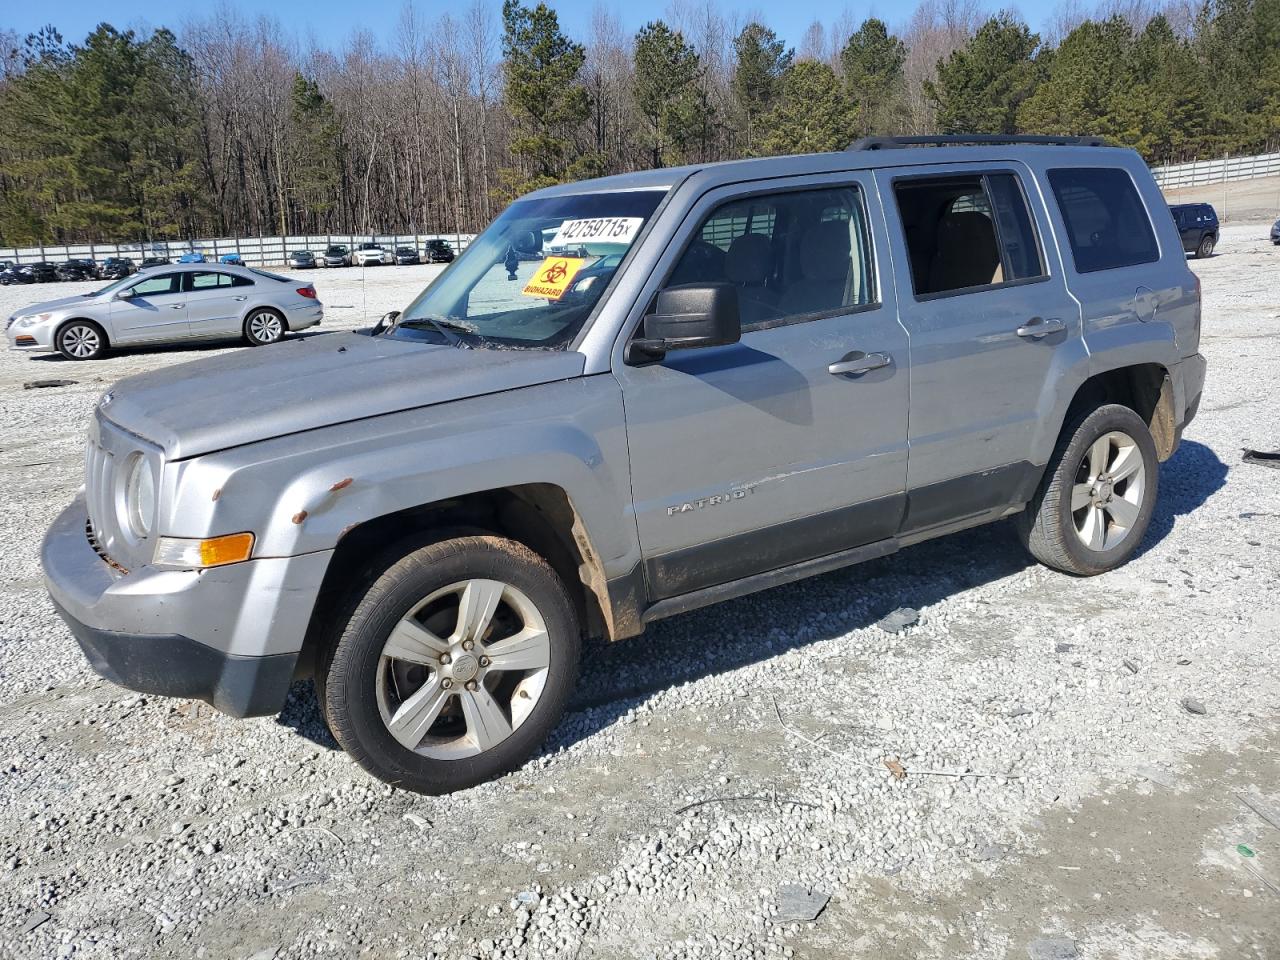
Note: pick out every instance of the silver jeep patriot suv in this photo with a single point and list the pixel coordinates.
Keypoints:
(690, 384)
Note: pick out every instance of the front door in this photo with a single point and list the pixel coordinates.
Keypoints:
(989, 322)
(791, 444)
(156, 311)
(215, 301)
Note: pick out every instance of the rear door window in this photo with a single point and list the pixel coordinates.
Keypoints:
(1107, 225)
(967, 232)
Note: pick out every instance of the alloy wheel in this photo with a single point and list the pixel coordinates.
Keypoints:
(81, 341)
(1107, 497)
(463, 669)
(265, 327)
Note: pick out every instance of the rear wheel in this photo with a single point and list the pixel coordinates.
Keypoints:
(1205, 249)
(81, 340)
(1097, 496)
(453, 666)
(263, 326)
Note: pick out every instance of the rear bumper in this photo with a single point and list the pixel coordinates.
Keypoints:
(1191, 370)
(229, 636)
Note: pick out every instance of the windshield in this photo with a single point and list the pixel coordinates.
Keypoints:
(119, 284)
(534, 276)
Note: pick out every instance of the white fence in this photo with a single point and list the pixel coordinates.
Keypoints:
(254, 251)
(1221, 170)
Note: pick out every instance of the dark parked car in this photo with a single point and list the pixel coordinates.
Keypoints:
(155, 262)
(42, 272)
(1198, 225)
(1275, 233)
(116, 268)
(337, 256)
(12, 273)
(439, 251)
(302, 260)
(77, 270)
(406, 256)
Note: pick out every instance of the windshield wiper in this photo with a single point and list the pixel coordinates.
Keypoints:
(447, 328)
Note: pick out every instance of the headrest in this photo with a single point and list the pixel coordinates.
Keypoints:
(747, 261)
(824, 251)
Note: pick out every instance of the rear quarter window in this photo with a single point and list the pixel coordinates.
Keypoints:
(1107, 225)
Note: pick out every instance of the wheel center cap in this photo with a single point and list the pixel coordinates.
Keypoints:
(465, 667)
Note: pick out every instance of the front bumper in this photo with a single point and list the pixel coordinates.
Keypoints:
(229, 636)
(31, 339)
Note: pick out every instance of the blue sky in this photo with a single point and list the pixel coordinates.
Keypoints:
(331, 21)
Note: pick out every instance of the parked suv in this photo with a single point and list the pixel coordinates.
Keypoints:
(781, 367)
(370, 254)
(1198, 227)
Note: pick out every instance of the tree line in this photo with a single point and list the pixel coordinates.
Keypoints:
(232, 127)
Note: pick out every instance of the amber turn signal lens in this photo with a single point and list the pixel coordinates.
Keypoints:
(229, 549)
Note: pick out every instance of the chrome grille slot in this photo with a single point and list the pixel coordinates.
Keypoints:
(110, 450)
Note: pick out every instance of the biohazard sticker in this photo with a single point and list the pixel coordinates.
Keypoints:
(553, 277)
(597, 230)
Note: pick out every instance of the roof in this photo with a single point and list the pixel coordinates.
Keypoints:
(759, 168)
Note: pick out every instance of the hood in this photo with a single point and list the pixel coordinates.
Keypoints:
(49, 306)
(317, 381)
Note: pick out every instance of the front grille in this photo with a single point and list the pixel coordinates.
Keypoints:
(99, 481)
(97, 548)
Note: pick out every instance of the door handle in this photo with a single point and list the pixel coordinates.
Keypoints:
(853, 364)
(176, 306)
(1035, 328)
(239, 298)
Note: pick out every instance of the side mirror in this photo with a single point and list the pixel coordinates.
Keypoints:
(687, 317)
(384, 322)
(125, 294)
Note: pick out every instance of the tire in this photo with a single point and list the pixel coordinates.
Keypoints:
(263, 326)
(1098, 535)
(81, 340)
(1205, 249)
(472, 720)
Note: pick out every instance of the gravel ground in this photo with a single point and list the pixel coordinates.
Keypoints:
(1101, 816)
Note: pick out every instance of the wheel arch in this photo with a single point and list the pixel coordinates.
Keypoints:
(1145, 388)
(63, 324)
(541, 516)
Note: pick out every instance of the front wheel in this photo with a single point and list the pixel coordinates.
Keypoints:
(1096, 499)
(81, 340)
(262, 327)
(453, 666)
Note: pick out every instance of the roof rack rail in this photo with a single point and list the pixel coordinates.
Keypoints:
(968, 139)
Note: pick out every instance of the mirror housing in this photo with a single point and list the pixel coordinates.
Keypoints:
(687, 317)
(125, 294)
(384, 322)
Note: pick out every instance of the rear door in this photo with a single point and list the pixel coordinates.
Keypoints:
(762, 454)
(991, 322)
(156, 311)
(215, 302)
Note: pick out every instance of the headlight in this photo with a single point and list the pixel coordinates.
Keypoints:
(31, 319)
(140, 496)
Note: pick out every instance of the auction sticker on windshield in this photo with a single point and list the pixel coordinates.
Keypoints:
(553, 277)
(597, 230)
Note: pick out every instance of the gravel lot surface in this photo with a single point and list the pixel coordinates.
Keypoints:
(726, 771)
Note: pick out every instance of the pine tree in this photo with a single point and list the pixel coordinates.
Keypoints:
(761, 62)
(872, 62)
(813, 114)
(546, 99)
(667, 92)
(980, 87)
(1083, 79)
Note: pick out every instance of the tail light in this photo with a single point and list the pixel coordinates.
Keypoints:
(308, 292)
